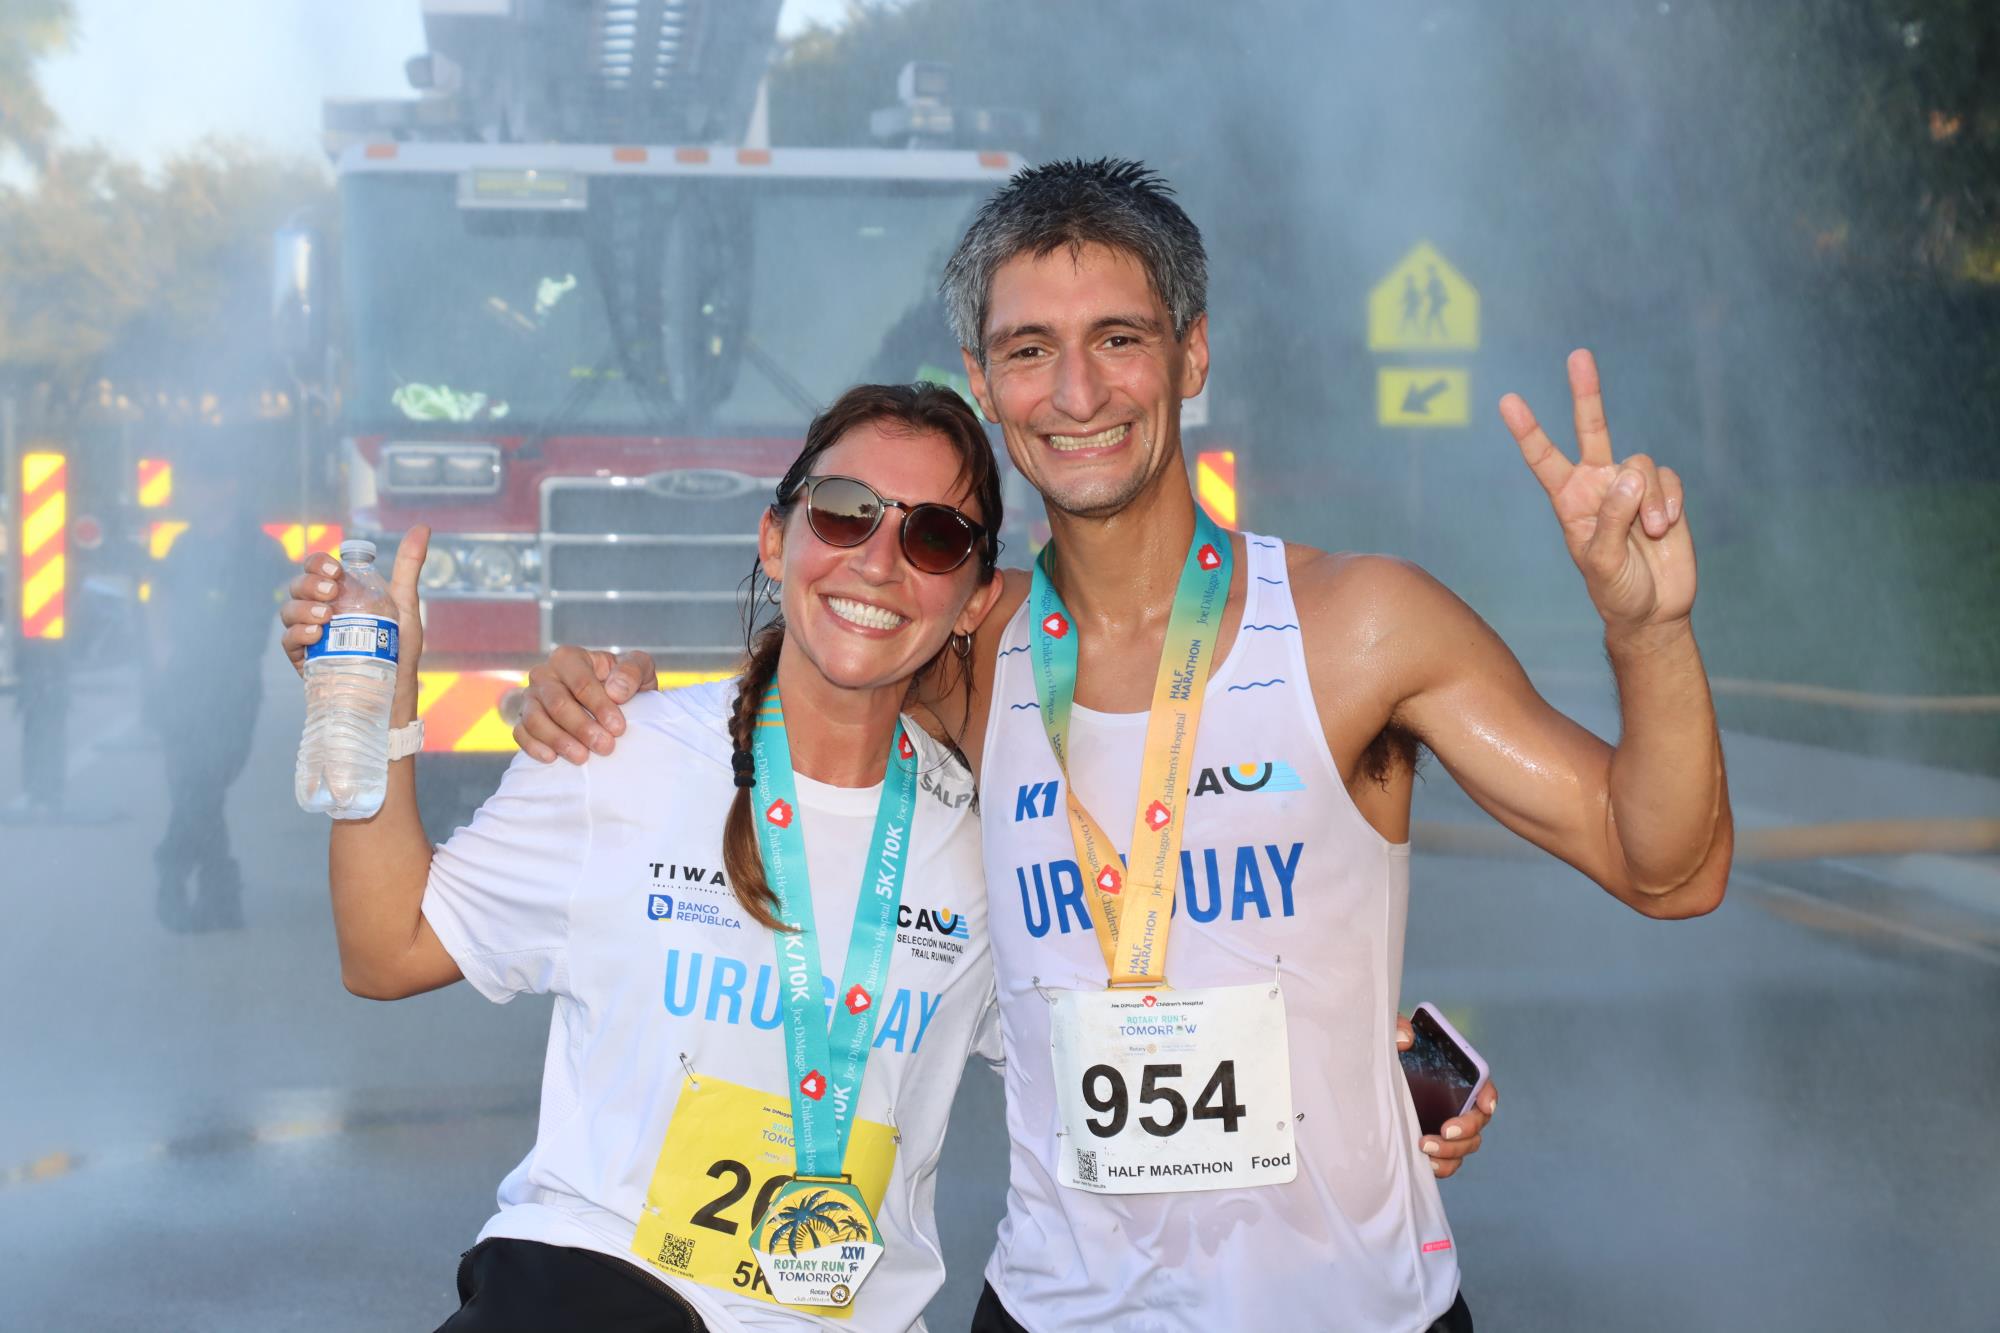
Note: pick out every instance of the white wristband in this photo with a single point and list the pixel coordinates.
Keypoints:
(406, 741)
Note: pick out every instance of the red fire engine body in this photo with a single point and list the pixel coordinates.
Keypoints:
(584, 355)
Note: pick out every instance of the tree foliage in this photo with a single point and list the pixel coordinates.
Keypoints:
(1787, 212)
(30, 30)
(1869, 128)
(153, 281)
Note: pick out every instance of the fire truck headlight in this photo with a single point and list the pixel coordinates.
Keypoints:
(406, 470)
(492, 567)
(440, 568)
(474, 470)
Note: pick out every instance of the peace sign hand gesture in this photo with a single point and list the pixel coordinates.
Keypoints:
(1623, 523)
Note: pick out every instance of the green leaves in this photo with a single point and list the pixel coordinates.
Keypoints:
(156, 282)
(29, 31)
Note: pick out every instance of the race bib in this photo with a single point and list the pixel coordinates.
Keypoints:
(727, 1153)
(1168, 1090)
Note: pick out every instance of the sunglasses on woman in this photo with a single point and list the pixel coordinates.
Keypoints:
(844, 512)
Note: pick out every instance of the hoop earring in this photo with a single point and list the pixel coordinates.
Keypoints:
(961, 647)
(773, 591)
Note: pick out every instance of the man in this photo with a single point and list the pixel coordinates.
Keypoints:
(1078, 295)
(210, 615)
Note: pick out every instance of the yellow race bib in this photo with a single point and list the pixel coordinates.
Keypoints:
(728, 1151)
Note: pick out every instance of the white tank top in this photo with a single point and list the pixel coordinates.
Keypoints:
(1276, 861)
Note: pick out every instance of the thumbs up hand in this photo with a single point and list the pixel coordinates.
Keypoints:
(416, 544)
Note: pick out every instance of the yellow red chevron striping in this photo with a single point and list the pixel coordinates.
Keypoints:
(156, 482)
(1215, 484)
(461, 710)
(44, 528)
(160, 537)
(463, 713)
(297, 538)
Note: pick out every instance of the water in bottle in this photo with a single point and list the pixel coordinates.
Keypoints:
(350, 684)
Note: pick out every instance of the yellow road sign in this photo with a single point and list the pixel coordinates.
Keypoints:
(1411, 396)
(1423, 305)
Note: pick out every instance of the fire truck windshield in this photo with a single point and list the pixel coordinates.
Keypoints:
(668, 305)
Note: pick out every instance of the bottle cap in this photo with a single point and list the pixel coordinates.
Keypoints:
(354, 550)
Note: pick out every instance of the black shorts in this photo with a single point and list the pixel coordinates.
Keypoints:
(992, 1317)
(524, 1286)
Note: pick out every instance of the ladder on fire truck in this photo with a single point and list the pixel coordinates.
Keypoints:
(578, 71)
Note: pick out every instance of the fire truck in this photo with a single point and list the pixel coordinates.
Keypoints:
(583, 314)
(585, 310)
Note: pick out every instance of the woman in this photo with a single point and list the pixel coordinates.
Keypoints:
(690, 1043)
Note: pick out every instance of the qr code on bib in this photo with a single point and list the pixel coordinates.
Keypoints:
(1086, 1166)
(676, 1252)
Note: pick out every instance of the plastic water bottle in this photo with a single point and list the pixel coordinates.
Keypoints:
(350, 684)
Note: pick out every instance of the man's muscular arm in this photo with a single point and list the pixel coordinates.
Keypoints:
(1648, 819)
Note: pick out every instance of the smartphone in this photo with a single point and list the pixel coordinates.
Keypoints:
(1444, 1072)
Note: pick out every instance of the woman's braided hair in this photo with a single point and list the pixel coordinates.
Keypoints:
(921, 409)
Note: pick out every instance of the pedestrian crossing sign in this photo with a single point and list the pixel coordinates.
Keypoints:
(1423, 305)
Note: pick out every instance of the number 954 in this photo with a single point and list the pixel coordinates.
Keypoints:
(1104, 1091)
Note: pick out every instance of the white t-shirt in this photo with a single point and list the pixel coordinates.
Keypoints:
(557, 886)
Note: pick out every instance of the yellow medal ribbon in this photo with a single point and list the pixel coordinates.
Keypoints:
(1134, 899)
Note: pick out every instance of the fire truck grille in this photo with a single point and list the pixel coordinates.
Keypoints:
(582, 509)
(682, 635)
(655, 568)
(629, 566)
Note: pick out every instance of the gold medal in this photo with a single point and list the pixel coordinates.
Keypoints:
(727, 1153)
(816, 1242)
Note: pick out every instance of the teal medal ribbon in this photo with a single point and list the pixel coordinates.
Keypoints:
(826, 1062)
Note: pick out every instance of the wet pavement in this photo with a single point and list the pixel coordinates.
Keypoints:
(1780, 1116)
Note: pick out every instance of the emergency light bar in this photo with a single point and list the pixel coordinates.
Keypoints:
(523, 187)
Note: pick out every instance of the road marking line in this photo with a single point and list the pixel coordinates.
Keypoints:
(1870, 921)
(50, 1166)
(1785, 842)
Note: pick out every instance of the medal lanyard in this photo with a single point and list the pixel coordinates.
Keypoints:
(1135, 900)
(825, 1063)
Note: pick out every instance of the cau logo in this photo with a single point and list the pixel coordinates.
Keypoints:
(938, 920)
(1273, 776)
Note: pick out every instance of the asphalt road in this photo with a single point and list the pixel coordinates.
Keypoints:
(1780, 1116)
